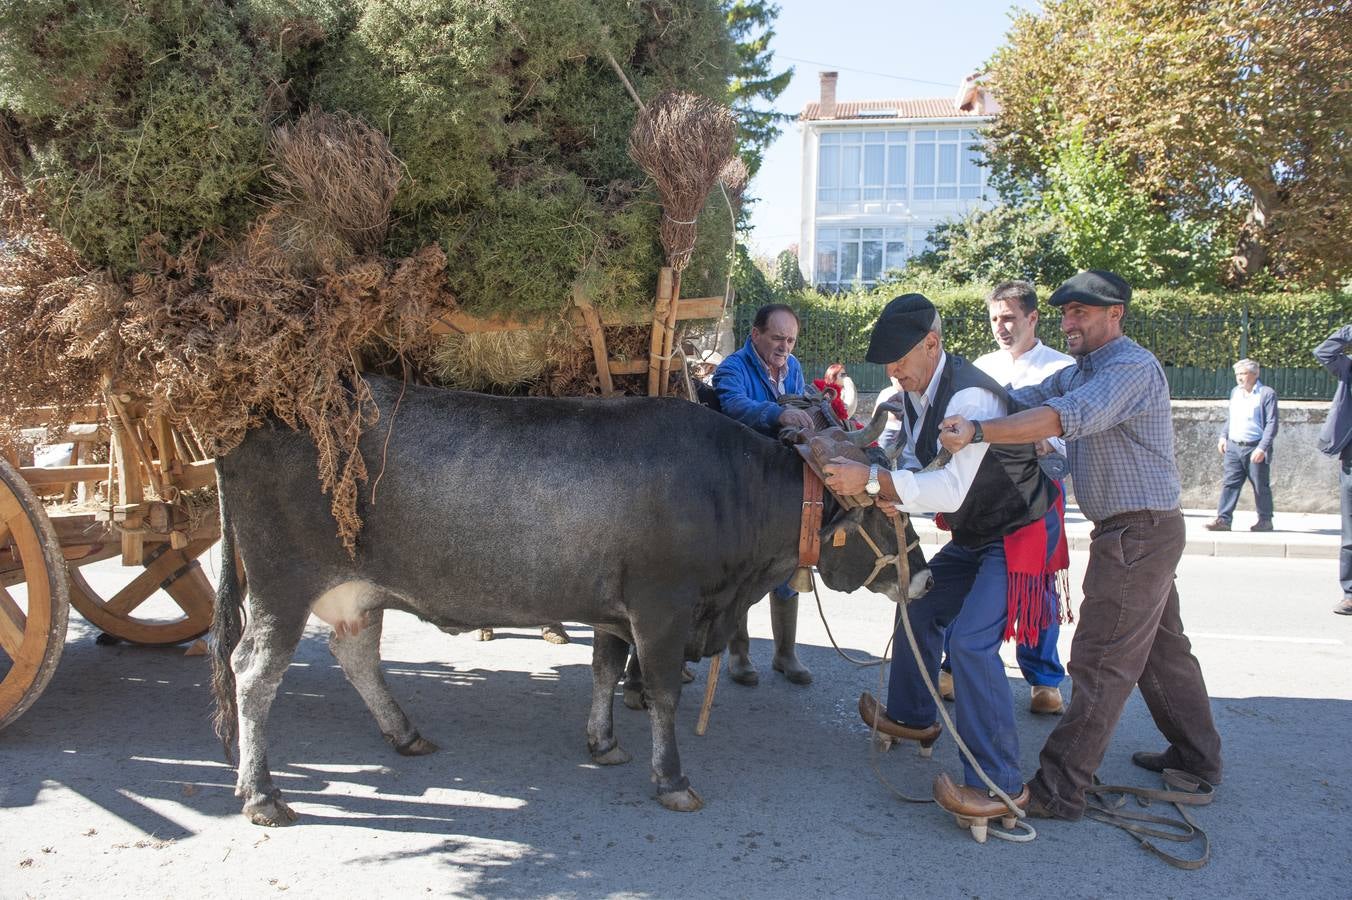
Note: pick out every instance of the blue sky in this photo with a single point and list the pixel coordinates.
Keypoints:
(882, 50)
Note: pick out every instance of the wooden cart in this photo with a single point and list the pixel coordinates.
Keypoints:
(124, 490)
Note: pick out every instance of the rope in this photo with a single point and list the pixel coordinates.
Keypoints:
(1025, 831)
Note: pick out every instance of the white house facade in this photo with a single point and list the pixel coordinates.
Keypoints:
(878, 175)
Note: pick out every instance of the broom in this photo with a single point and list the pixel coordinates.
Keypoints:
(682, 141)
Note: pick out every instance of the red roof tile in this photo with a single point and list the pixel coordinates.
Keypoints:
(925, 108)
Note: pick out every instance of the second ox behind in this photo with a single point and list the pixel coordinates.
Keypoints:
(658, 522)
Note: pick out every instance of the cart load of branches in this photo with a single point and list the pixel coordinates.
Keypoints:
(234, 209)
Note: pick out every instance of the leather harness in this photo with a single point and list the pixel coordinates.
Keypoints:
(810, 526)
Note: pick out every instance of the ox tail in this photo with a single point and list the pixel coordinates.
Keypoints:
(227, 625)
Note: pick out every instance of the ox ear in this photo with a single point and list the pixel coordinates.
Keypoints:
(847, 521)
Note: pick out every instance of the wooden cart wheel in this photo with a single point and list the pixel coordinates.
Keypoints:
(127, 615)
(34, 603)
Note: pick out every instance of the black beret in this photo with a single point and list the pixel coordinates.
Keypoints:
(1093, 287)
(904, 322)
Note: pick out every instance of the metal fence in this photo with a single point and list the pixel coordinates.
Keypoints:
(1197, 351)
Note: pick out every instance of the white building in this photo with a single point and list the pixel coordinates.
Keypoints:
(879, 174)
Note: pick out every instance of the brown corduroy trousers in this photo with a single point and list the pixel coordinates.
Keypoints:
(1129, 633)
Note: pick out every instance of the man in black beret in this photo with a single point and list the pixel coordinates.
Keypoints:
(1112, 408)
(1001, 509)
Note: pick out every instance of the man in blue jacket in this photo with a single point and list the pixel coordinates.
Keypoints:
(749, 384)
(1336, 440)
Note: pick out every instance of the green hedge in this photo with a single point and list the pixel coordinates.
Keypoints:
(1181, 328)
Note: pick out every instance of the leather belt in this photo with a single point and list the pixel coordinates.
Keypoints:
(1138, 515)
(810, 526)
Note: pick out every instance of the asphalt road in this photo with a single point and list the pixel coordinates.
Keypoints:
(113, 785)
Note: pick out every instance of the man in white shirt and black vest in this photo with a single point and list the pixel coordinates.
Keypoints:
(989, 580)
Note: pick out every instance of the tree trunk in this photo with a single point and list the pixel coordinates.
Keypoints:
(1251, 249)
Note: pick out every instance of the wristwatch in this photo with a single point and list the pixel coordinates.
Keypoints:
(977, 435)
(873, 486)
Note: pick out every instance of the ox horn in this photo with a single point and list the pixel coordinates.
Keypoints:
(874, 429)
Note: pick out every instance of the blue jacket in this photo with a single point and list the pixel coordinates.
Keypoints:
(1335, 438)
(744, 389)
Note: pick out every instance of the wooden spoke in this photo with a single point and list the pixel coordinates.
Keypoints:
(33, 640)
(124, 616)
(13, 622)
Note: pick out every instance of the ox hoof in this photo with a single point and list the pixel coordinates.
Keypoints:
(554, 634)
(615, 756)
(485, 634)
(681, 801)
(419, 746)
(634, 699)
(270, 812)
(687, 675)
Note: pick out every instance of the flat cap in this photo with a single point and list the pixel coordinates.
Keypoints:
(1093, 287)
(904, 322)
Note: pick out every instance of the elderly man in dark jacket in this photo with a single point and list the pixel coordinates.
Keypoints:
(1246, 445)
(1336, 440)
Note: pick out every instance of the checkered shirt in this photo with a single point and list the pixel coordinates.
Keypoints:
(1118, 427)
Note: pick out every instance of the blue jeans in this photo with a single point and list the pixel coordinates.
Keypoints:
(1240, 467)
(969, 594)
(1345, 554)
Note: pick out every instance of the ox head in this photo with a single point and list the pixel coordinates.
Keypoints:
(858, 543)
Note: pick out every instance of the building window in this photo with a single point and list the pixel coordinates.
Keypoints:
(946, 164)
(861, 171)
(860, 257)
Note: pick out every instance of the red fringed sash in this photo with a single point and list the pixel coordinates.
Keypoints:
(1035, 556)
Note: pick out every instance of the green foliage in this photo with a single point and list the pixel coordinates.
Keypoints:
(753, 289)
(788, 277)
(994, 245)
(155, 115)
(137, 125)
(1228, 112)
(1101, 221)
(1181, 327)
(754, 82)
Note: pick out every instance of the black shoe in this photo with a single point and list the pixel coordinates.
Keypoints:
(1261, 525)
(1156, 762)
(1217, 525)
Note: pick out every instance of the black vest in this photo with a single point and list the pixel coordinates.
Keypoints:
(1010, 489)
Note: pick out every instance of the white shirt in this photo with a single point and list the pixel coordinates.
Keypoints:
(1031, 368)
(1246, 413)
(941, 490)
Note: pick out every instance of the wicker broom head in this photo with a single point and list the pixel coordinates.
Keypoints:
(682, 141)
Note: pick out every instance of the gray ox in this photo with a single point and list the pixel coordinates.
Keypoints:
(658, 522)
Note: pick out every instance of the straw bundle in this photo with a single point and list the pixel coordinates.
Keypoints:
(682, 141)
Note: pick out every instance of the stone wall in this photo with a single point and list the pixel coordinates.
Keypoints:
(1303, 479)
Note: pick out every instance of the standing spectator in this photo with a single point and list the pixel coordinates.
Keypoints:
(1246, 446)
(836, 379)
(1024, 360)
(1112, 408)
(749, 384)
(1336, 440)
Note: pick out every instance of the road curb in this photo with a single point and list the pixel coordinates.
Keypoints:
(1196, 545)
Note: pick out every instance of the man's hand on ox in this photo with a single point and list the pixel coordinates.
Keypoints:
(955, 432)
(796, 418)
(845, 476)
(888, 508)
